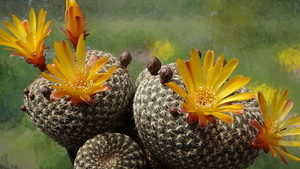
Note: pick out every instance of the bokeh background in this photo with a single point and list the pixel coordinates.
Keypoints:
(263, 34)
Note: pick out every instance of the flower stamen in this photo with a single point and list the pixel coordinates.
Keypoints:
(205, 98)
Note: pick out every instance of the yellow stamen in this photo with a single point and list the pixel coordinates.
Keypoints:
(205, 98)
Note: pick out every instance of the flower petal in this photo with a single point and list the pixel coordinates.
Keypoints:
(195, 68)
(80, 52)
(58, 94)
(256, 124)
(223, 117)
(290, 143)
(215, 72)
(290, 122)
(290, 131)
(226, 72)
(207, 66)
(237, 97)
(186, 76)
(173, 86)
(232, 85)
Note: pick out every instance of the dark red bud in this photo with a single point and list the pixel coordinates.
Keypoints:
(165, 75)
(31, 96)
(26, 91)
(174, 112)
(125, 59)
(46, 92)
(23, 108)
(154, 65)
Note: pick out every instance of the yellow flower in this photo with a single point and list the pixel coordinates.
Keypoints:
(28, 39)
(289, 58)
(75, 22)
(207, 96)
(77, 79)
(162, 49)
(276, 126)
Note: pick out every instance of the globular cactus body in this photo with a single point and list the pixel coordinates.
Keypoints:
(71, 126)
(173, 143)
(110, 150)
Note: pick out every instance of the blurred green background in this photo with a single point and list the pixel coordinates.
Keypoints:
(262, 34)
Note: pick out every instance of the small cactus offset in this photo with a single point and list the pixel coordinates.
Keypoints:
(70, 125)
(110, 150)
(175, 141)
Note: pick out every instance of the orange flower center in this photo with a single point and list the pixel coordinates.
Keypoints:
(78, 80)
(205, 98)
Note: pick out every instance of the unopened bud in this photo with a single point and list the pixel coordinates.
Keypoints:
(46, 92)
(174, 112)
(125, 59)
(165, 75)
(154, 65)
(31, 96)
(23, 108)
(26, 91)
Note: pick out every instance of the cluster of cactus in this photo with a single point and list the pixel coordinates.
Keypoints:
(164, 136)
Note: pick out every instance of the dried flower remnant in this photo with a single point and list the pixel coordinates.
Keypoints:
(75, 22)
(76, 79)
(207, 96)
(275, 127)
(28, 38)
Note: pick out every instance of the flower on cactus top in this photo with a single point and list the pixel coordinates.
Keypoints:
(28, 39)
(208, 96)
(276, 126)
(75, 78)
(75, 22)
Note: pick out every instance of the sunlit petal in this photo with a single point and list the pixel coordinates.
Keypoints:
(290, 122)
(195, 70)
(237, 97)
(80, 52)
(173, 86)
(226, 71)
(290, 131)
(207, 66)
(216, 71)
(290, 143)
(232, 85)
(186, 76)
(224, 117)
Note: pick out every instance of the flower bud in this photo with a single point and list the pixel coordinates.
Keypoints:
(154, 65)
(125, 59)
(165, 75)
